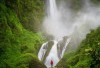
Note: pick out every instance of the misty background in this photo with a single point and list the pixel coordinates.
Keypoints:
(72, 19)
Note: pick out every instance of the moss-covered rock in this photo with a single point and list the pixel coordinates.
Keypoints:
(37, 64)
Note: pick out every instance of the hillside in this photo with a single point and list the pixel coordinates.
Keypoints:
(19, 41)
(87, 55)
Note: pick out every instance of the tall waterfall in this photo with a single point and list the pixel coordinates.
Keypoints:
(54, 51)
(53, 12)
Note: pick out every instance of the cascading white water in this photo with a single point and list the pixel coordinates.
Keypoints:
(42, 51)
(52, 56)
(64, 48)
(53, 12)
(53, 53)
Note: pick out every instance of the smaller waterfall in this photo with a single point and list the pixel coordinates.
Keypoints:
(42, 51)
(53, 53)
(64, 48)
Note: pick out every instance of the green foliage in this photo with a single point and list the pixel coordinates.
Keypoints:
(18, 46)
(29, 12)
(86, 56)
(96, 1)
(76, 4)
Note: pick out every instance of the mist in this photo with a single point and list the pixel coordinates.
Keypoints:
(67, 22)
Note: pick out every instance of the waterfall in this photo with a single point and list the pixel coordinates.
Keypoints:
(64, 48)
(55, 51)
(52, 55)
(42, 51)
(52, 9)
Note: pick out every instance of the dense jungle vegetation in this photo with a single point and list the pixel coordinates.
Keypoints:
(21, 38)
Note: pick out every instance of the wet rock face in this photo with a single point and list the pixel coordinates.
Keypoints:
(60, 46)
(48, 47)
(50, 43)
